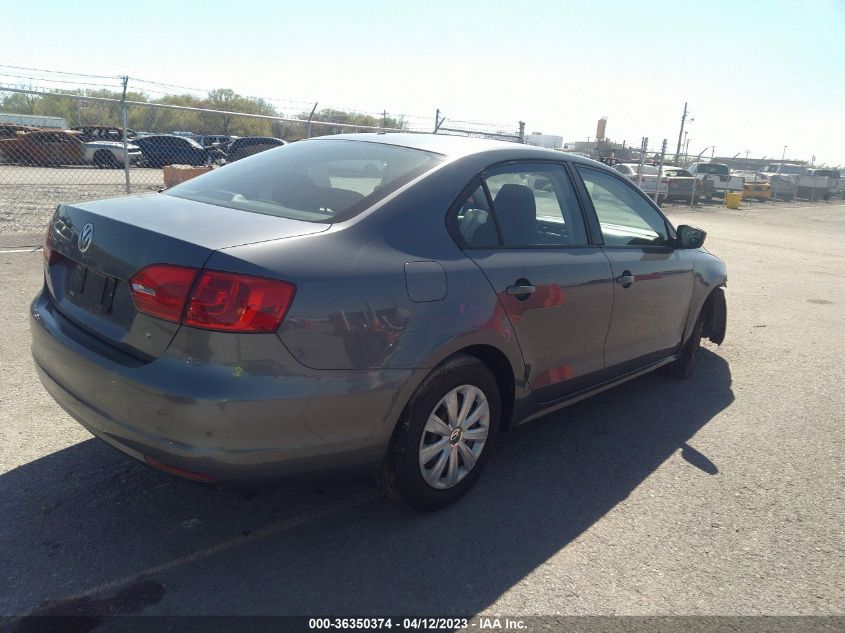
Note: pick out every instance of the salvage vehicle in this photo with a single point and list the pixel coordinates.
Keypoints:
(646, 177)
(682, 184)
(269, 319)
(169, 149)
(44, 148)
(111, 153)
(719, 179)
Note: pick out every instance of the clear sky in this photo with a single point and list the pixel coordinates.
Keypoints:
(758, 74)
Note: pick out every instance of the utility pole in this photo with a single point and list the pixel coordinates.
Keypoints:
(681, 133)
(660, 173)
(123, 121)
(308, 126)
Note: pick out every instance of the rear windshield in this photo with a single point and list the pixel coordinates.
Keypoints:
(315, 181)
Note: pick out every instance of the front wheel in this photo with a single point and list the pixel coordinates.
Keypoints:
(445, 435)
(684, 365)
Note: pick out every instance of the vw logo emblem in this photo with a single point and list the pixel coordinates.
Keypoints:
(455, 436)
(86, 236)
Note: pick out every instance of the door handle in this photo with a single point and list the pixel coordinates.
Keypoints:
(625, 279)
(521, 291)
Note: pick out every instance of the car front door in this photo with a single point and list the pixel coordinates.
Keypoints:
(522, 225)
(653, 281)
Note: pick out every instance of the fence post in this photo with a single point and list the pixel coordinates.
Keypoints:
(643, 150)
(123, 122)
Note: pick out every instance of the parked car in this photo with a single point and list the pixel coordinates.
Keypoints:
(44, 148)
(718, 178)
(268, 319)
(168, 149)
(683, 185)
(111, 153)
(88, 133)
(648, 180)
(838, 181)
(249, 145)
(782, 186)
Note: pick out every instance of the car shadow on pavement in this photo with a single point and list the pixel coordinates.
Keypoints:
(86, 522)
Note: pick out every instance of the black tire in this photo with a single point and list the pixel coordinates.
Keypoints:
(105, 159)
(400, 475)
(684, 365)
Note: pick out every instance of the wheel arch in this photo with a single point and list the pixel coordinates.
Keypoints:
(715, 311)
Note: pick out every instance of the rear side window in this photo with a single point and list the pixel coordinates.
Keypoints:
(315, 181)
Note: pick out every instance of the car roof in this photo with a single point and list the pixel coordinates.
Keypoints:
(456, 146)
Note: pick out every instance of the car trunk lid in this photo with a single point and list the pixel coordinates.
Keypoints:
(98, 246)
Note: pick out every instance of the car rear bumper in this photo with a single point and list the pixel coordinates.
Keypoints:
(256, 418)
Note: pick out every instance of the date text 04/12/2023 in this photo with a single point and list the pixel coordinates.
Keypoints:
(416, 623)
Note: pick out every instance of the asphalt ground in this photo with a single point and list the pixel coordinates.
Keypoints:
(718, 495)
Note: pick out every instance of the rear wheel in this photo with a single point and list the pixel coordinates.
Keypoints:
(444, 437)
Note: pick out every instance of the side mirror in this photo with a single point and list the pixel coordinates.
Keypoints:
(690, 237)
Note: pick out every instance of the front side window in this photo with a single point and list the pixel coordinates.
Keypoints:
(535, 205)
(625, 216)
(316, 180)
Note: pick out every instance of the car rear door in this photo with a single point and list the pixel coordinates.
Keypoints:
(653, 282)
(521, 223)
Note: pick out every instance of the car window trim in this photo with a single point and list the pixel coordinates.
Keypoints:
(670, 230)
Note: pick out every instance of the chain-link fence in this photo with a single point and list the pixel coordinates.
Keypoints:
(95, 146)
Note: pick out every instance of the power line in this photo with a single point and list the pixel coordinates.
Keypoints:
(158, 83)
(59, 72)
(60, 81)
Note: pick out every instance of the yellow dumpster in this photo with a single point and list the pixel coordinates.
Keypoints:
(733, 199)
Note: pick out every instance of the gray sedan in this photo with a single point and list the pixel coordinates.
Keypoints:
(385, 301)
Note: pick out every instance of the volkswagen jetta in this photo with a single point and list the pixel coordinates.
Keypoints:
(390, 301)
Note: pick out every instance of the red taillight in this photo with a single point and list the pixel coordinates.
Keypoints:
(212, 299)
(161, 290)
(242, 303)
